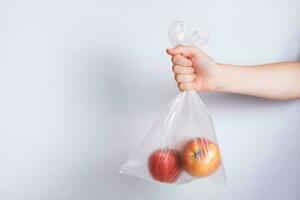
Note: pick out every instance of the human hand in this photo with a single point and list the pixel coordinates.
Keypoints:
(193, 69)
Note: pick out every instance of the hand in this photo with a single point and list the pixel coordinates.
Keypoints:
(193, 69)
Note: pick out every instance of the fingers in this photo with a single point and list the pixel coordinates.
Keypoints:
(182, 61)
(184, 78)
(182, 57)
(183, 50)
(186, 86)
(177, 69)
(184, 72)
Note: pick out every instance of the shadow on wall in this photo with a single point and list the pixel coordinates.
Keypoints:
(221, 100)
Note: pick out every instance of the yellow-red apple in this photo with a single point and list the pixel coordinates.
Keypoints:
(201, 157)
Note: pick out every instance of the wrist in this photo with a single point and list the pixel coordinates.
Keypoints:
(229, 78)
(217, 78)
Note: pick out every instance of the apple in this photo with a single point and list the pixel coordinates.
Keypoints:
(201, 157)
(165, 165)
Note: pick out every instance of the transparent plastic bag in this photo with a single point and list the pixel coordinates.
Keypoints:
(181, 146)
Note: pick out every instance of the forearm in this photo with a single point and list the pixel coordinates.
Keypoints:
(275, 81)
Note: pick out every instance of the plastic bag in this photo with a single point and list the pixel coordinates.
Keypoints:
(181, 146)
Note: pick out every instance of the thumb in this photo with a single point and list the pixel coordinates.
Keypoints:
(186, 51)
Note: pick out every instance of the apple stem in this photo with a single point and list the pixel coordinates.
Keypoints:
(197, 154)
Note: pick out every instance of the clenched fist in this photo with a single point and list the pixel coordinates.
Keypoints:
(193, 69)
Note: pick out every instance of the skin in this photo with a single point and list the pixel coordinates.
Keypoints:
(196, 70)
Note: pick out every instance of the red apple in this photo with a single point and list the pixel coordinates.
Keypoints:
(165, 165)
(201, 157)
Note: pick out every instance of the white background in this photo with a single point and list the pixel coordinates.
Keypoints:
(81, 83)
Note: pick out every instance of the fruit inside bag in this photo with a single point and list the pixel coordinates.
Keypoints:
(181, 146)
